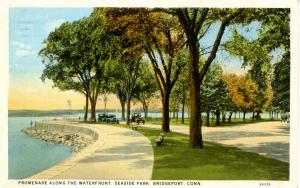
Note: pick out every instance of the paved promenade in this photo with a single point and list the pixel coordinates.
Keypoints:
(270, 139)
(117, 154)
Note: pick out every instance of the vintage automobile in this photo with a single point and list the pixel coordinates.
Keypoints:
(110, 118)
(101, 118)
(137, 118)
(107, 118)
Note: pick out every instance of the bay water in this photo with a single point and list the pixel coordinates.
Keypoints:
(28, 156)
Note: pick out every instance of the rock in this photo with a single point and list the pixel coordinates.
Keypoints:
(74, 140)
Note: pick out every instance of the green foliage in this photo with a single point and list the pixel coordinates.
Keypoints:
(146, 86)
(75, 56)
(281, 84)
(180, 90)
(214, 92)
(276, 28)
(76, 52)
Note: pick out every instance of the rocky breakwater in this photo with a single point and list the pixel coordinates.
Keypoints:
(77, 141)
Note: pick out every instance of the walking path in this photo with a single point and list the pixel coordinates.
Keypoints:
(118, 153)
(270, 139)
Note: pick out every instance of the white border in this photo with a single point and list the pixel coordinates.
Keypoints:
(4, 64)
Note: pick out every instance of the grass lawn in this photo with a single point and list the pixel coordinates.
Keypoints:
(175, 160)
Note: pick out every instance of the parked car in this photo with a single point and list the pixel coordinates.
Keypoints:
(107, 118)
(101, 118)
(137, 118)
(112, 119)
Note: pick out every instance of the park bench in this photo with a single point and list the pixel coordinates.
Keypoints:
(160, 140)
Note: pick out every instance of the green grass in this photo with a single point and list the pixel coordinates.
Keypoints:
(175, 160)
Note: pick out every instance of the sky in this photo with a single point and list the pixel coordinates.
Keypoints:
(29, 27)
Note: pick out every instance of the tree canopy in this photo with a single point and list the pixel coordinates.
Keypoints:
(75, 55)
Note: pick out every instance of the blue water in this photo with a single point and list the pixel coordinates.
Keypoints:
(27, 155)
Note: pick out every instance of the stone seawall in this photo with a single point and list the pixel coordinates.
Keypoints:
(58, 127)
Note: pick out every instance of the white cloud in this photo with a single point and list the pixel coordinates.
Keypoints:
(51, 25)
(22, 49)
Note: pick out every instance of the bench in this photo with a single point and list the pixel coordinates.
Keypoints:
(160, 140)
(134, 127)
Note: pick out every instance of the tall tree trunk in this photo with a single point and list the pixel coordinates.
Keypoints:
(195, 121)
(253, 116)
(229, 117)
(182, 114)
(257, 115)
(86, 107)
(223, 117)
(145, 107)
(183, 102)
(128, 110)
(123, 110)
(165, 107)
(207, 118)
(93, 109)
(122, 98)
(244, 117)
(272, 115)
(174, 114)
(218, 117)
(105, 112)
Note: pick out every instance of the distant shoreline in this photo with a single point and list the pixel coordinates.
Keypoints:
(41, 113)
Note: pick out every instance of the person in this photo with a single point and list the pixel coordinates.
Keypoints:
(161, 136)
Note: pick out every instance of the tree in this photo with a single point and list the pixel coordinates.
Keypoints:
(64, 81)
(276, 35)
(127, 66)
(281, 84)
(146, 87)
(257, 56)
(243, 91)
(117, 84)
(181, 87)
(215, 95)
(104, 96)
(118, 88)
(257, 53)
(195, 23)
(80, 51)
(130, 69)
(161, 38)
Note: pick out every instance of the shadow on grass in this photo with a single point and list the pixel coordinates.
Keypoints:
(276, 150)
(230, 135)
(176, 160)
